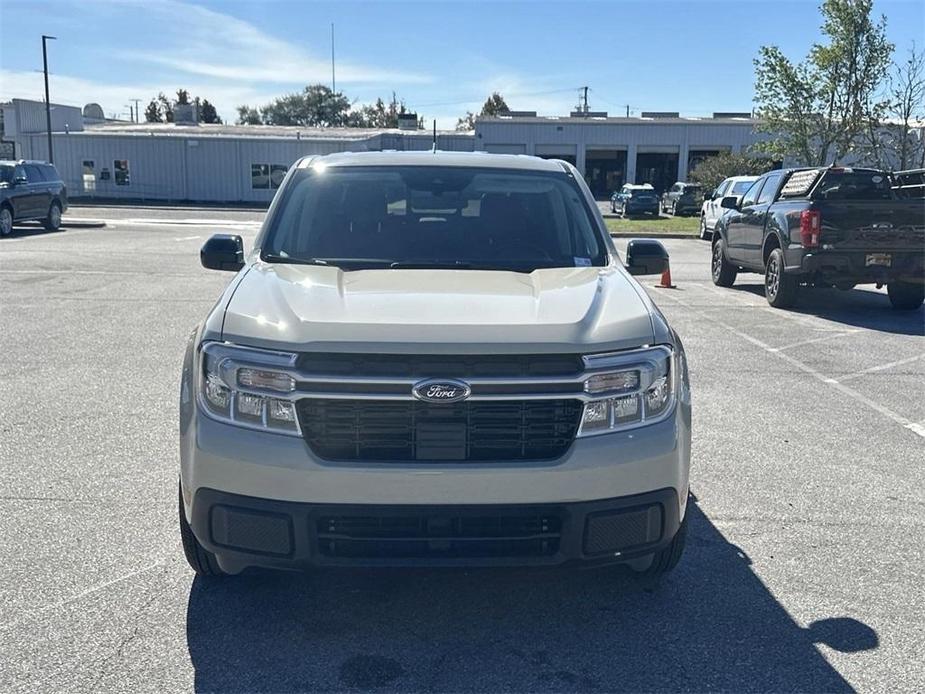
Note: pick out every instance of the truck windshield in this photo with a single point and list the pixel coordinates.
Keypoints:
(854, 185)
(6, 174)
(442, 217)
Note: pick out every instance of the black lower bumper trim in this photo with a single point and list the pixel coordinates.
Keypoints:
(247, 532)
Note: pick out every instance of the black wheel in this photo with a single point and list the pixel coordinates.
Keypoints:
(613, 208)
(780, 288)
(6, 220)
(674, 209)
(53, 221)
(202, 561)
(704, 234)
(905, 296)
(721, 270)
(666, 559)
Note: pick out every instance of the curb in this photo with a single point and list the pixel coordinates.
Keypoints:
(653, 235)
(83, 223)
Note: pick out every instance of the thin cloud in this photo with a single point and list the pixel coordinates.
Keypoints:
(199, 41)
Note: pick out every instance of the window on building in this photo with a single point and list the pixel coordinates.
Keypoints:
(120, 167)
(260, 176)
(267, 176)
(277, 174)
(88, 178)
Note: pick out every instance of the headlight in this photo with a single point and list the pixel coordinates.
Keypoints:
(240, 386)
(642, 392)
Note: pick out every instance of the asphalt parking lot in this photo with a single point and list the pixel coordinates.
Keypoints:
(804, 569)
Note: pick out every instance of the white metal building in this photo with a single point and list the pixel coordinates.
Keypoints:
(246, 163)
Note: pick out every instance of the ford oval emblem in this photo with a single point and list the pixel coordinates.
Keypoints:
(437, 391)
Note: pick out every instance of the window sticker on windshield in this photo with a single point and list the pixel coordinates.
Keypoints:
(877, 179)
(582, 262)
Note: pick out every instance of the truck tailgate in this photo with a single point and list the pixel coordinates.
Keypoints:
(873, 224)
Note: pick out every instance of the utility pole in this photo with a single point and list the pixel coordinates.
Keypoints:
(333, 80)
(137, 112)
(51, 157)
(627, 110)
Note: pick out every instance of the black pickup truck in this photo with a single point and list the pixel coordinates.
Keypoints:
(831, 227)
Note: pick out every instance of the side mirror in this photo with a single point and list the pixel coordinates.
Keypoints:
(730, 202)
(646, 257)
(223, 252)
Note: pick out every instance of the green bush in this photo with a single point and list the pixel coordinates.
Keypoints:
(713, 170)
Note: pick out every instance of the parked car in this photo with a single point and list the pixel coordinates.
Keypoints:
(909, 184)
(433, 358)
(683, 198)
(827, 227)
(711, 210)
(635, 199)
(30, 190)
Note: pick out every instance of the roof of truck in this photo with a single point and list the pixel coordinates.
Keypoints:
(438, 158)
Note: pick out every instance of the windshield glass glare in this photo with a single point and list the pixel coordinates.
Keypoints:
(422, 216)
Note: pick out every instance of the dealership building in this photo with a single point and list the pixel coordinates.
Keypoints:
(245, 163)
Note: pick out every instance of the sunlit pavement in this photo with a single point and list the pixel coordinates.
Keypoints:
(803, 572)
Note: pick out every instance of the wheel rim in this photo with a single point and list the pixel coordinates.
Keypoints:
(717, 259)
(772, 277)
(6, 222)
(54, 216)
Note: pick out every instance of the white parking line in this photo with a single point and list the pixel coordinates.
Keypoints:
(914, 427)
(881, 367)
(186, 238)
(814, 340)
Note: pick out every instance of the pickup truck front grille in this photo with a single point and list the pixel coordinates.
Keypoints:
(429, 365)
(406, 431)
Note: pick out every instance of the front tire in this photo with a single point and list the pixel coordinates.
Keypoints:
(6, 221)
(53, 221)
(721, 270)
(704, 234)
(780, 289)
(667, 559)
(905, 296)
(199, 558)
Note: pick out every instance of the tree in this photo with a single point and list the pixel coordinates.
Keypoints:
(818, 110)
(494, 105)
(153, 112)
(207, 112)
(248, 115)
(378, 115)
(906, 92)
(714, 170)
(182, 97)
(166, 107)
(315, 106)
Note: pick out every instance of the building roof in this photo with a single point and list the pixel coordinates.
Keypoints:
(614, 120)
(255, 131)
(438, 158)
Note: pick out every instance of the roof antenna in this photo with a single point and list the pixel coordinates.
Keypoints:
(434, 150)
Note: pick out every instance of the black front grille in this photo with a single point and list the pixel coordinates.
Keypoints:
(447, 533)
(436, 365)
(390, 430)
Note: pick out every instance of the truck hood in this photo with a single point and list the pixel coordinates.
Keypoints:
(315, 308)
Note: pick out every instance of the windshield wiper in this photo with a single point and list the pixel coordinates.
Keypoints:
(430, 265)
(276, 258)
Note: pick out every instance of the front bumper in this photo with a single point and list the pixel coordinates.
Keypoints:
(248, 532)
(227, 466)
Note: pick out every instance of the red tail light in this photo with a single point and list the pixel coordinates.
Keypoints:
(810, 228)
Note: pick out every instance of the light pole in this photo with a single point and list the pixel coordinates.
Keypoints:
(51, 157)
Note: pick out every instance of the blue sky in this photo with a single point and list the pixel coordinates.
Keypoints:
(443, 58)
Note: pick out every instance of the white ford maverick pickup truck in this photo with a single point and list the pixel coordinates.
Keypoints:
(436, 359)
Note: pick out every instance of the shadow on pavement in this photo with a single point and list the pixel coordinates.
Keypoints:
(711, 624)
(22, 230)
(861, 308)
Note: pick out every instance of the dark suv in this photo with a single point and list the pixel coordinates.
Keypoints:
(30, 190)
(683, 198)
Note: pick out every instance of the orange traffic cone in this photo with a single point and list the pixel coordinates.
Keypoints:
(666, 280)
